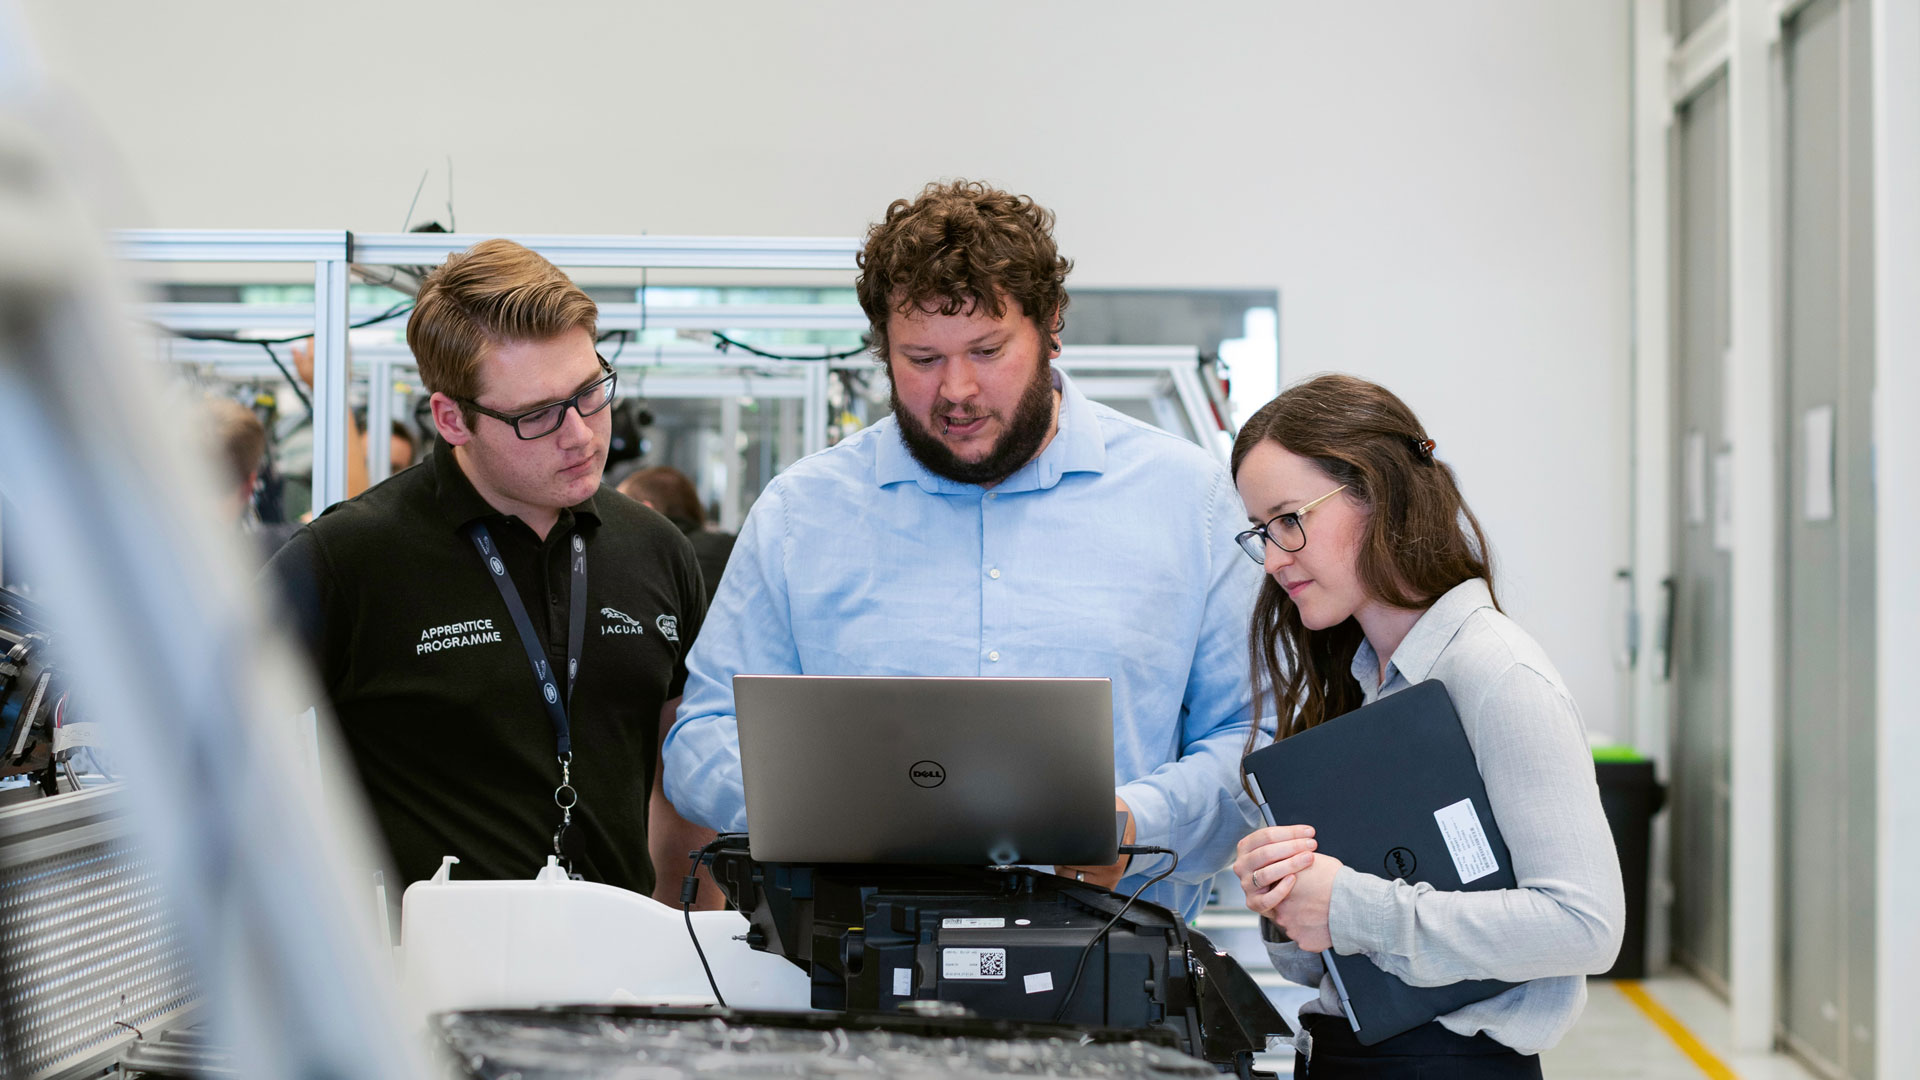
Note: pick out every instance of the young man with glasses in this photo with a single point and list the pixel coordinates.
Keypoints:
(998, 523)
(502, 639)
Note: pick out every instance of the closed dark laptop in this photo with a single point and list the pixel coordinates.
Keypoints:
(1391, 789)
(967, 771)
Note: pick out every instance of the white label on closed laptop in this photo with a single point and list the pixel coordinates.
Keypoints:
(902, 982)
(1039, 982)
(1466, 841)
(973, 963)
(973, 924)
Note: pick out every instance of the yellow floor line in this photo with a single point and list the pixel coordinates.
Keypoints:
(1682, 1038)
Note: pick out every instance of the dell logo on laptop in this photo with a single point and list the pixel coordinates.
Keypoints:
(927, 773)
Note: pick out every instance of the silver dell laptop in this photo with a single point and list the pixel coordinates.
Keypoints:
(961, 771)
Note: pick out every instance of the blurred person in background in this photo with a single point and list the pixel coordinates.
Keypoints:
(239, 443)
(406, 448)
(668, 491)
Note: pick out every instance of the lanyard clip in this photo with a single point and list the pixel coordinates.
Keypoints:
(566, 798)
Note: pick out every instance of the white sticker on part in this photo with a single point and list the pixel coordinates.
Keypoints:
(1039, 982)
(1466, 841)
(973, 924)
(902, 982)
(973, 963)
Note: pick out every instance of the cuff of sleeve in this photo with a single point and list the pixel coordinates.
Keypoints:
(1358, 911)
(1152, 825)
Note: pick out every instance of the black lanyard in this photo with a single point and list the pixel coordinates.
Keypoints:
(564, 796)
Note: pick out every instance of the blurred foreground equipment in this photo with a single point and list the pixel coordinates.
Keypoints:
(259, 873)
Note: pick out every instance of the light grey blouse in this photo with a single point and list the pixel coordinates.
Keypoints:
(1564, 921)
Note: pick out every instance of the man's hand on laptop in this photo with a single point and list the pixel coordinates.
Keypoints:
(1104, 876)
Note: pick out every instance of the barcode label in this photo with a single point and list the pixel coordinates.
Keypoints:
(902, 982)
(1466, 841)
(973, 963)
(973, 924)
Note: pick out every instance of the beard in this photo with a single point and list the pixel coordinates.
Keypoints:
(1024, 435)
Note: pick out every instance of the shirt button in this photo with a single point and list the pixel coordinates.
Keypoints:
(994, 656)
(994, 573)
(993, 494)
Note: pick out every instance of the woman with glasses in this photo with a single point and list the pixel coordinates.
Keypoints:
(1379, 577)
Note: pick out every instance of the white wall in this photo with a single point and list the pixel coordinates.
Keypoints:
(1439, 191)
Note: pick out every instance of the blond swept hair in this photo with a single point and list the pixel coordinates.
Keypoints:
(494, 292)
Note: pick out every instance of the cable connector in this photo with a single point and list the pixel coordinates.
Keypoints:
(690, 891)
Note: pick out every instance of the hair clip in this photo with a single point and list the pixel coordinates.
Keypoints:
(1423, 449)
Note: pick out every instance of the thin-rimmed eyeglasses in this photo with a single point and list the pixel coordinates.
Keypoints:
(1283, 531)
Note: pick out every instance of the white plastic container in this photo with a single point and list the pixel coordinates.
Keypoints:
(554, 941)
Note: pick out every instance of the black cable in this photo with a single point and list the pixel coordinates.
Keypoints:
(1080, 968)
(726, 343)
(624, 336)
(291, 380)
(689, 890)
(395, 311)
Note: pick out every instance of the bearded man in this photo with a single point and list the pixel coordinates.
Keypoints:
(998, 523)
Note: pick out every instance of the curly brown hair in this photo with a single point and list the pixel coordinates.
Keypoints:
(1420, 539)
(963, 245)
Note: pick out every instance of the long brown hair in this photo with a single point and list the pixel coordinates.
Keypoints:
(1420, 540)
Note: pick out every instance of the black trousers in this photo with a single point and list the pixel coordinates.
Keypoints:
(1428, 1052)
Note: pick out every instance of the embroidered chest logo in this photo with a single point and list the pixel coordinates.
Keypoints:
(669, 627)
(454, 635)
(619, 622)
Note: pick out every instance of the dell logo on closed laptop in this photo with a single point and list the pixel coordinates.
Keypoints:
(1401, 863)
(928, 773)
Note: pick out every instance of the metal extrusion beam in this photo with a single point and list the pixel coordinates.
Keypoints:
(329, 383)
(284, 319)
(735, 317)
(1074, 357)
(677, 252)
(230, 245)
(245, 356)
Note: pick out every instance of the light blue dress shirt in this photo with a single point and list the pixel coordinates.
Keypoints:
(1111, 554)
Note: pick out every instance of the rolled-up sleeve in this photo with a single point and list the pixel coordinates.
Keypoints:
(1565, 916)
(748, 629)
(1194, 804)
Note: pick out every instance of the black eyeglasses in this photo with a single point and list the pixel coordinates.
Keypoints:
(543, 420)
(1284, 531)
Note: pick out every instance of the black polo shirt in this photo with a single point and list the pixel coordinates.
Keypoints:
(436, 699)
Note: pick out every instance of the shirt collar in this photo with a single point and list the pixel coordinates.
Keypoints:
(461, 504)
(1421, 648)
(1078, 446)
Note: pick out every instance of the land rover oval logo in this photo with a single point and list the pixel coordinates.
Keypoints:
(928, 773)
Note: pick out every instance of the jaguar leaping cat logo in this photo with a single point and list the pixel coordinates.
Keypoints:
(619, 622)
